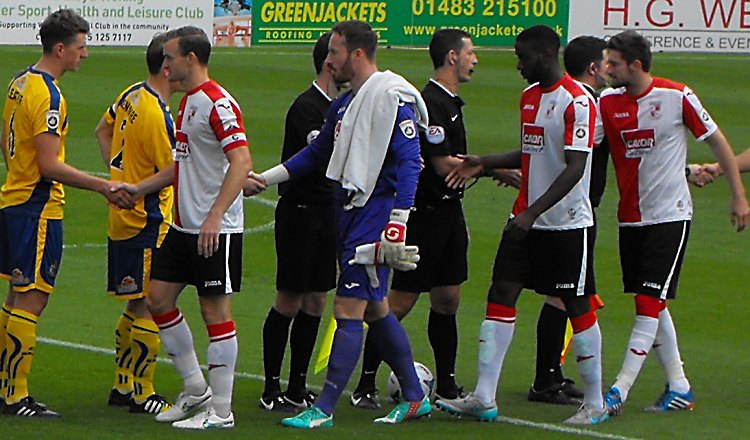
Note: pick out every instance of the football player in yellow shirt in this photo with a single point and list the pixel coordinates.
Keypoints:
(35, 123)
(136, 136)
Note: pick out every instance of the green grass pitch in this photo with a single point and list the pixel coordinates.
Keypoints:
(710, 312)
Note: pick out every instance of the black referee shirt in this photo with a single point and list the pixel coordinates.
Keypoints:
(599, 160)
(303, 123)
(446, 136)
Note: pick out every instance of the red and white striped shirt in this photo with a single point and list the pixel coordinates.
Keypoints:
(648, 136)
(209, 124)
(554, 120)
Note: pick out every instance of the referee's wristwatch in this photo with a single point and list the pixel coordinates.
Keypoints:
(687, 171)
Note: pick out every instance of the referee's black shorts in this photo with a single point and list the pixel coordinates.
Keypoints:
(440, 232)
(651, 257)
(305, 247)
(554, 263)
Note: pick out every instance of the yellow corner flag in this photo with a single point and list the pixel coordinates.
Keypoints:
(324, 353)
(568, 340)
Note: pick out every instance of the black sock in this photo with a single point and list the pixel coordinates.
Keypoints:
(443, 334)
(550, 339)
(302, 342)
(370, 363)
(275, 334)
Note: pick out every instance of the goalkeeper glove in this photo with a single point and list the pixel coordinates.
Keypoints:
(370, 255)
(393, 238)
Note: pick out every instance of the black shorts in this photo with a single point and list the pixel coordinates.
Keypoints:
(305, 247)
(651, 257)
(440, 232)
(177, 261)
(555, 263)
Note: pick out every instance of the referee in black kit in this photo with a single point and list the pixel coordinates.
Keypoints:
(305, 250)
(437, 224)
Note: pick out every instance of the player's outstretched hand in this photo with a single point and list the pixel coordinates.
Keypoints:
(740, 212)
(698, 176)
(254, 185)
(506, 177)
(470, 167)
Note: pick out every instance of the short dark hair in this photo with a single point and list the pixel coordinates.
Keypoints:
(320, 51)
(581, 52)
(541, 38)
(62, 26)
(192, 39)
(155, 53)
(633, 46)
(359, 35)
(444, 41)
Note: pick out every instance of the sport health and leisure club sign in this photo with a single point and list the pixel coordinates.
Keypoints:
(671, 25)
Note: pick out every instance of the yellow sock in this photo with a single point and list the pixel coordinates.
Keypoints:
(20, 342)
(4, 316)
(145, 347)
(123, 354)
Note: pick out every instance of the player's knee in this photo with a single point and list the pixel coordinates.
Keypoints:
(288, 304)
(650, 306)
(504, 293)
(577, 306)
(314, 304)
(401, 303)
(445, 302)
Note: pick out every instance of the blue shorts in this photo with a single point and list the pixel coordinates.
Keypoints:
(30, 251)
(359, 226)
(128, 270)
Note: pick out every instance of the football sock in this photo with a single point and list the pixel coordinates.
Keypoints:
(393, 345)
(587, 346)
(20, 342)
(443, 334)
(370, 363)
(641, 340)
(144, 345)
(302, 342)
(495, 336)
(123, 354)
(550, 339)
(275, 335)
(178, 343)
(668, 353)
(222, 358)
(4, 316)
(347, 343)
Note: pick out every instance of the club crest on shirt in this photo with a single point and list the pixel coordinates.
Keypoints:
(638, 143)
(532, 138)
(550, 109)
(53, 120)
(435, 134)
(408, 129)
(190, 115)
(654, 109)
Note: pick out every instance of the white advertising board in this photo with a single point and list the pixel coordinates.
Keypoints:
(113, 22)
(719, 26)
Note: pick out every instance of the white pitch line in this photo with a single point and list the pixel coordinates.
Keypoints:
(257, 377)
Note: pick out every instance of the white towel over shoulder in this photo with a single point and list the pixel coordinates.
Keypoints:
(365, 133)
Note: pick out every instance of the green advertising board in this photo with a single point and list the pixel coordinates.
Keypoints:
(407, 22)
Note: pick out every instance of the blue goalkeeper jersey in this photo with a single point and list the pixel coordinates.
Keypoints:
(400, 171)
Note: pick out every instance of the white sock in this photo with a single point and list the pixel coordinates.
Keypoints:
(178, 343)
(641, 340)
(494, 340)
(222, 358)
(587, 346)
(665, 346)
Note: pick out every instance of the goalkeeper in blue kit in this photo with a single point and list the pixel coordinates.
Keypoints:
(370, 145)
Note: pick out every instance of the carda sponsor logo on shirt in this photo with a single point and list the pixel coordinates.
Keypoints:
(181, 148)
(532, 138)
(638, 143)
